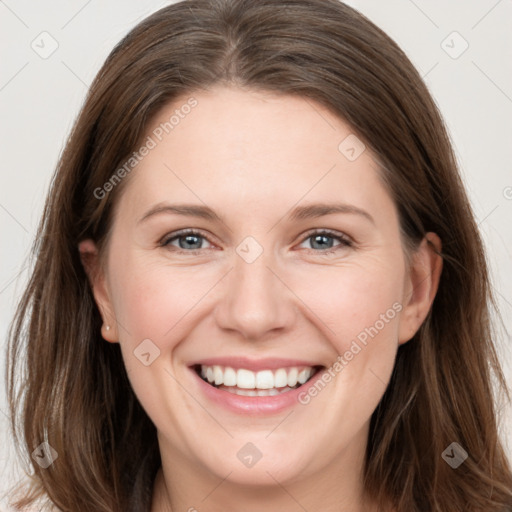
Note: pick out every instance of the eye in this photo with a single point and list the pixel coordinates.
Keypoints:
(191, 241)
(322, 241)
(188, 240)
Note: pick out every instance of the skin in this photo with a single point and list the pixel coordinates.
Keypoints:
(252, 157)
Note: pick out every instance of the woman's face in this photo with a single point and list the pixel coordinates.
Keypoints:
(294, 269)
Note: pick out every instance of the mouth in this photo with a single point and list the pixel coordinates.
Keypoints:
(262, 383)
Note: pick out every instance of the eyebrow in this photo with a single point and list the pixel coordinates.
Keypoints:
(309, 211)
(315, 210)
(189, 210)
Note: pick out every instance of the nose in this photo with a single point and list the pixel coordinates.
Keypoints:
(255, 301)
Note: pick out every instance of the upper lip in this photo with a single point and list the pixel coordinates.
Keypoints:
(255, 364)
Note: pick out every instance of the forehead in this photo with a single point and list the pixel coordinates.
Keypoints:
(255, 148)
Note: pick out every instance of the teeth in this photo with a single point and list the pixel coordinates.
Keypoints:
(292, 377)
(265, 379)
(218, 375)
(262, 383)
(229, 377)
(303, 376)
(245, 379)
(280, 378)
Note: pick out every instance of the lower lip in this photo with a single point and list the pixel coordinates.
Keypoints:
(253, 404)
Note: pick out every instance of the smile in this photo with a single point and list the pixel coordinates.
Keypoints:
(266, 382)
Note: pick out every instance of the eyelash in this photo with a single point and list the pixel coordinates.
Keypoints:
(344, 240)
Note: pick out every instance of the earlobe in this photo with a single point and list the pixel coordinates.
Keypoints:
(89, 257)
(107, 333)
(421, 285)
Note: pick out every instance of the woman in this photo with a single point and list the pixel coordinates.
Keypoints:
(259, 282)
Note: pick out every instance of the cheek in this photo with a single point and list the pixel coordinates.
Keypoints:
(151, 300)
(360, 305)
(152, 304)
(355, 302)
(369, 310)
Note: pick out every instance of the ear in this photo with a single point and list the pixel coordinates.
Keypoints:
(89, 256)
(421, 284)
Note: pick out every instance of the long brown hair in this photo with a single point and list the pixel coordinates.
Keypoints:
(69, 387)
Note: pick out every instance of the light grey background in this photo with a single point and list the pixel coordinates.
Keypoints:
(40, 97)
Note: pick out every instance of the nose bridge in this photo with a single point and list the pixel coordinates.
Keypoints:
(255, 300)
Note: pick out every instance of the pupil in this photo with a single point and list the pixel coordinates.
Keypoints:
(190, 239)
(324, 240)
